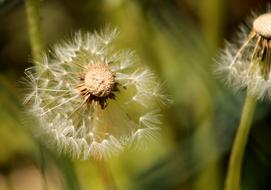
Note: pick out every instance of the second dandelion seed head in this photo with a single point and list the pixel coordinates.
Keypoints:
(246, 62)
(262, 48)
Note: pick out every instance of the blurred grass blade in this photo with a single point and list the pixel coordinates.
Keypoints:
(67, 168)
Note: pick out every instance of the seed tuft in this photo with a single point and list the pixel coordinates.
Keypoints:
(246, 62)
(93, 100)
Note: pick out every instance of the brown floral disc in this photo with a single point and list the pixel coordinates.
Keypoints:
(98, 84)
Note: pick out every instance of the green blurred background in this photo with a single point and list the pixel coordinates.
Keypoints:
(180, 40)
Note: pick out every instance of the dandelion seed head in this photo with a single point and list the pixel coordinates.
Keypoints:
(92, 100)
(246, 62)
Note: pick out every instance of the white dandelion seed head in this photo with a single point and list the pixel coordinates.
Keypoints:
(92, 100)
(246, 62)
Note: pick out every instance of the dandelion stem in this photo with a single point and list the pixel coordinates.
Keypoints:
(34, 27)
(37, 45)
(106, 175)
(42, 164)
(235, 164)
(9, 184)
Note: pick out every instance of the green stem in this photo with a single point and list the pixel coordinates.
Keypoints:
(9, 182)
(67, 168)
(37, 46)
(106, 175)
(34, 27)
(235, 164)
(42, 164)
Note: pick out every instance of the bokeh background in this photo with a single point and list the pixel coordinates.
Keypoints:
(180, 40)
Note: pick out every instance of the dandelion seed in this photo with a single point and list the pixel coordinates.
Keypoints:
(247, 63)
(91, 100)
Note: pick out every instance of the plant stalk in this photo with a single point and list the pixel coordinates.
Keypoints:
(37, 46)
(235, 164)
(105, 175)
(34, 28)
(9, 184)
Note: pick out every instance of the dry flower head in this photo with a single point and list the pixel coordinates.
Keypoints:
(247, 62)
(91, 100)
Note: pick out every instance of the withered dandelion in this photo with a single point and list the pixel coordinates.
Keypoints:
(247, 63)
(92, 100)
